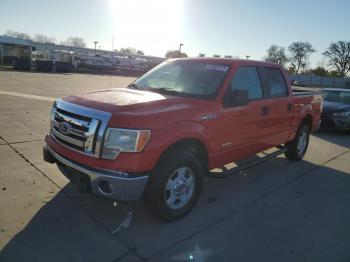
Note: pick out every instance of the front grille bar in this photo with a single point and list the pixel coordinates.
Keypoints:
(72, 120)
(73, 131)
(86, 127)
(67, 138)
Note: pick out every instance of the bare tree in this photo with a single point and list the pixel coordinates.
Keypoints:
(74, 41)
(276, 54)
(201, 55)
(17, 34)
(174, 54)
(339, 57)
(128, 50)
(43, 39)
(299, 55)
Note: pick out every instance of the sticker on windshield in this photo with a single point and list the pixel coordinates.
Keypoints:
(217, 67)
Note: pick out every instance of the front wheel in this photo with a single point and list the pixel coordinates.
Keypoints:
(297, 148)
(174, 186)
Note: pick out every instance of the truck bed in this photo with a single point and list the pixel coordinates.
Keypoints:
(305, 92)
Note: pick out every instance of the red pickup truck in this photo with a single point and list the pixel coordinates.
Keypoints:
(158, 137)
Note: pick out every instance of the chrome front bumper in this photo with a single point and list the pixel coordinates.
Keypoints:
(106, 183)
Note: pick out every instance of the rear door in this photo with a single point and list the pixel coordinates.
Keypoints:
(279, 105)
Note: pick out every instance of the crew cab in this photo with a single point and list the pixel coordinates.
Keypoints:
(156, 139)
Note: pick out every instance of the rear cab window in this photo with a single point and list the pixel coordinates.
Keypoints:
(274, 82)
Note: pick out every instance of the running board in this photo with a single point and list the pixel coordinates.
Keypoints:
(249, 165)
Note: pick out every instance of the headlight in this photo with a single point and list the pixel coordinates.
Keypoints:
(124, 140)
(342, 114)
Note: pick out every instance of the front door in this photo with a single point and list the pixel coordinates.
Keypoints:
(243, 116)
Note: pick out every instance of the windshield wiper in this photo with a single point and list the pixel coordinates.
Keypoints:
(135, 86)
(166, 90)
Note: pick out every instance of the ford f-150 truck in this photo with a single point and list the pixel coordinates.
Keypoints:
(156, 139)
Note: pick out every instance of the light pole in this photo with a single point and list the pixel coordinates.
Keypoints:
(180, 48)
(247, 56)
(95, 45)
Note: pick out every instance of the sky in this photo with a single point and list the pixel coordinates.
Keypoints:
(224, 27)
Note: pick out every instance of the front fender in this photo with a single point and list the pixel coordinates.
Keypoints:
(178, 131)
(188, 129)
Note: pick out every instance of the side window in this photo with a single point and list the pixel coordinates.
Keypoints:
(247, 80)
(276, 86)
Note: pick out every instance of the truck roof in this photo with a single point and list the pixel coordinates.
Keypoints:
(227, 61)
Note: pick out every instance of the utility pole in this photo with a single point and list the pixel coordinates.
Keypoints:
(180, 48)
(112, 44)
(95, 45)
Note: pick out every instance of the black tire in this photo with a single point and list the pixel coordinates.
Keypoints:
(293, 152)
(155, 193)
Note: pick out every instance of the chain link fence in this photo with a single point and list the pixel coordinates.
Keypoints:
(320, 81)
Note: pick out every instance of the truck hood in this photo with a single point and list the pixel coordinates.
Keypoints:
(130, 108)
(112, 98)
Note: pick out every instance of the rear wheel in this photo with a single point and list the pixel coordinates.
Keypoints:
(174, 186)
(297, 148)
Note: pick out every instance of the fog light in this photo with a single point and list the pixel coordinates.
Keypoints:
(105, 187)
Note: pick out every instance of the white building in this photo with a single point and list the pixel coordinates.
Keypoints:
(11, 47)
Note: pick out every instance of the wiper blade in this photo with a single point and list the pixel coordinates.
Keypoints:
(165, 90)
(135, 86)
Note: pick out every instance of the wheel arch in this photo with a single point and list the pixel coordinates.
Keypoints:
(195, 145)
(307, 120)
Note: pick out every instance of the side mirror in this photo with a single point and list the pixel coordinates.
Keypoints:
(239, 97)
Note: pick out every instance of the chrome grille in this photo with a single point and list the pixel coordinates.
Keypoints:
(78, 127)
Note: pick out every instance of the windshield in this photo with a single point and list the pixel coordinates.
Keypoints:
(184, 78)
(337, 96)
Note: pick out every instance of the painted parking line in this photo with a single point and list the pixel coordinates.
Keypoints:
(44, 98)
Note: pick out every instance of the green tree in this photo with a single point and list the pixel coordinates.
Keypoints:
(216, 55)
(201, 55)
(320, 71)
(291, 70)
(334, 73)
(299, 54)
(339, 57)
(276, 54)
(174, 54)
(228, 56)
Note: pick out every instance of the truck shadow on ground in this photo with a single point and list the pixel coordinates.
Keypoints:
(76, 227)
(337, 137)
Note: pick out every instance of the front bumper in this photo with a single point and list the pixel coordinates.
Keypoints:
(110, 184)
(335, 122)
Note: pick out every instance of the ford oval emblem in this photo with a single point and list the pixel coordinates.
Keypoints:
(64, 128)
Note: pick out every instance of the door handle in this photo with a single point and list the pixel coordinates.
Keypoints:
(264, 110)
(289, 107)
